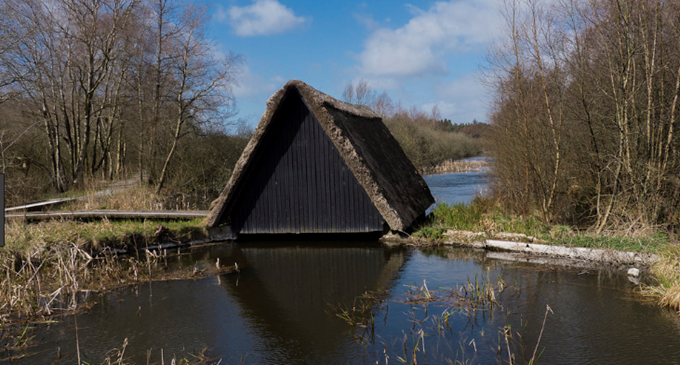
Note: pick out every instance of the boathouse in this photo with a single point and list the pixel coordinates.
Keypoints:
(319, 165)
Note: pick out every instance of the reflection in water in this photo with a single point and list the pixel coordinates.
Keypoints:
(287, 293)
(277, 311)
(597, 318)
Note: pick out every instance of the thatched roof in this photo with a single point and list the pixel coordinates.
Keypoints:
(367, 147)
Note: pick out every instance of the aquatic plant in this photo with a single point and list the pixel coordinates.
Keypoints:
(477, 295)
(361, 314)
(38, 280)
(116, 356)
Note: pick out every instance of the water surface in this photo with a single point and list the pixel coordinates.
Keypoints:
(282, 308)
(458, 187)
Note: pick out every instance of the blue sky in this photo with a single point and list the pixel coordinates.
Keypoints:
(420, 52)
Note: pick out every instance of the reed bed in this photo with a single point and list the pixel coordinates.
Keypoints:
(56, 282)
(480, 295)
(117, 356)
(450, 166)
(46, 265)
(665, 283)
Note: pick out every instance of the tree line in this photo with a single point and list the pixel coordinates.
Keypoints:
(426, 138)
(107, 88)
(585, 115)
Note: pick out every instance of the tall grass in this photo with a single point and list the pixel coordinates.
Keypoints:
(449, 166)
(124, 195)
(44, 265)
(96, 236)
(666, 278)
(487, 215)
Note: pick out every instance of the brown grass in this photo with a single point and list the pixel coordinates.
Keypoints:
(116, 196)
(450, 166)
(666, 274)
(45, 265)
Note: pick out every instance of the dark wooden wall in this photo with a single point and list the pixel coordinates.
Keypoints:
(299, 183)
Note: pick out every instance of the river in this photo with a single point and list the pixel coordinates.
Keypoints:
(283, 307)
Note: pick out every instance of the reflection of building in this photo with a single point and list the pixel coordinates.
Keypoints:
(318, 165)
(286, 293)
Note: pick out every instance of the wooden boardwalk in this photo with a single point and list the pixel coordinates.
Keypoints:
(111, 214)
(42, 204)
(47, 204)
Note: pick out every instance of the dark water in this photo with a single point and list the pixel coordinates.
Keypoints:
(281, 309)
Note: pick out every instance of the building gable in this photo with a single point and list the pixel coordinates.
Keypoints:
(357, 148)
(299, 183)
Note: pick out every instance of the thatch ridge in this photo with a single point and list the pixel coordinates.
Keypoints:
(382, 169)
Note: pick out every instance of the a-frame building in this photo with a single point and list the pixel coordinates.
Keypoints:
(318, 165)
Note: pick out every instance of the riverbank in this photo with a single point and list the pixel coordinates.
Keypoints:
(483, 224)
(48, 262)
(55, 281)
(45, 266)
(451, 166)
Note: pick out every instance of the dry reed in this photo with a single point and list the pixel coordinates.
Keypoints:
(120, 195)
(46, 265)
(666, 277)
(450, 166)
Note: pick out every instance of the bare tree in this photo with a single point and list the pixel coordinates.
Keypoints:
(99, 77)
(601, 78)
(348, 93)
(203, 88)
(364, 94)
(383, 105)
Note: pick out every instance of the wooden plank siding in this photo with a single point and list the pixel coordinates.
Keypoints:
(299, 183)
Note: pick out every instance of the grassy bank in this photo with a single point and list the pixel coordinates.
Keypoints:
(44, 265)
(484, 218)
(665, 285)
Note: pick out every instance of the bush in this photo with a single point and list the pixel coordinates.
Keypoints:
(425, 144)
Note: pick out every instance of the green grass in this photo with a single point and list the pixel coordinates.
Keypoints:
(97, 235)
(651, 244)
(485, 215)
(53, 259)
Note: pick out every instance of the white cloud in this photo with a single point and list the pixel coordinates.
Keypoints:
(467, 97)
(263, 17)
(446, 109)
(252, 84)
(420, 47)
(367, 21)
